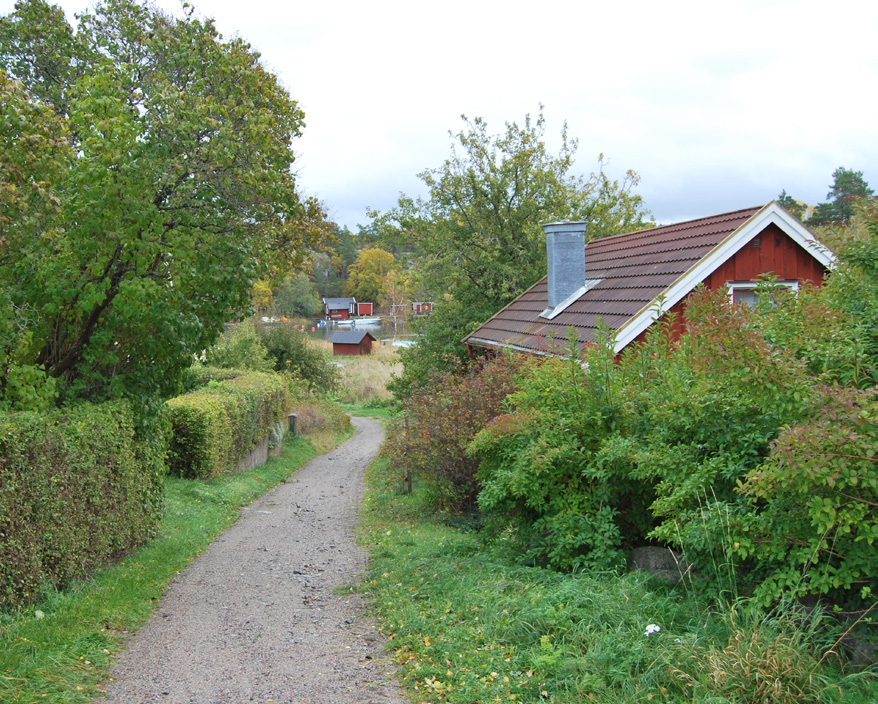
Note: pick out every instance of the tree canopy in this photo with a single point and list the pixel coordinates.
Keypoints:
(476, 241)
(478, 235)
(848, 187)
(145, 184)
(848, 190)
(366, 275)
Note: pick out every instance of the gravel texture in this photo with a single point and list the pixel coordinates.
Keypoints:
(255, 618)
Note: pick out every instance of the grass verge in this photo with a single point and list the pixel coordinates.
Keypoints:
(467, 625)
(371, 409)
(60, 650)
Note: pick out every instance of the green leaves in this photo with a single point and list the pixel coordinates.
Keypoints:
(146, 183)
(477, 239)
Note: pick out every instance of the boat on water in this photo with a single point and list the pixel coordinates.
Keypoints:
(352, 322)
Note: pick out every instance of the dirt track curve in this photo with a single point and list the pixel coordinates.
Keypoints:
(255, 617)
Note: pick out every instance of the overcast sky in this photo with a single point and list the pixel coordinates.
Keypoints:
(717, 106)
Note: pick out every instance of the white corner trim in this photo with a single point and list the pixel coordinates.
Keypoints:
(552, 313)
(673, 294)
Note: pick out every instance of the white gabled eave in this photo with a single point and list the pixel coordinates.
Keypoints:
(772, 213)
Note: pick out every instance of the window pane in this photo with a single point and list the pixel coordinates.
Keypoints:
(746, 297)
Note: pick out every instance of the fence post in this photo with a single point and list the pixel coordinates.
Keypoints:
(408, 470)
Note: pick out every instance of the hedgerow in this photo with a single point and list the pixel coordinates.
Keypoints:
(78, 489)
(216, 425)
(199, 375)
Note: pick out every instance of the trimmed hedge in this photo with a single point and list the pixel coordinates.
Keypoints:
(217, 425)
(199, 375)
(78, 490)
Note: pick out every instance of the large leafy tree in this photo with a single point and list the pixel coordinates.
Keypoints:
(478, 233)
(296, 296)
(367, 274)
(146, 183)
(476, 239)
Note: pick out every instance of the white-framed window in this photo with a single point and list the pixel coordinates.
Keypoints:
(746, 293)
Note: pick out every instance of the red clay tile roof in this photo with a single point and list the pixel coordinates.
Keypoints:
(634, 269)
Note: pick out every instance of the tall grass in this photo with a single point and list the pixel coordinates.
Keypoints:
(365, 377)
(468, 625)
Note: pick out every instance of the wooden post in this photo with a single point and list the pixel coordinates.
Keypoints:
(408, 470)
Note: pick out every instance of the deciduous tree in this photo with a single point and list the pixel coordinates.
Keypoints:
(366, 275)
(146, 185)
(476, 239)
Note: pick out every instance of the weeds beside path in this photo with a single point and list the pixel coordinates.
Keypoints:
(470, 626)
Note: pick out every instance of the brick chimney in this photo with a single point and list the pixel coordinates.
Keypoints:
(565, 249)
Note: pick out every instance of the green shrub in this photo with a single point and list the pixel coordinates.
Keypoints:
(815, 526)
(215, 426)
(240, 347)
(544, 488)
(440, 419)
(78, 489)
(290, 352)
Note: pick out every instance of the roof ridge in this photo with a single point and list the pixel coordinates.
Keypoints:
(683, 224)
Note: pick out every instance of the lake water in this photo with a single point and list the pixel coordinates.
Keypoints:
(384, 330)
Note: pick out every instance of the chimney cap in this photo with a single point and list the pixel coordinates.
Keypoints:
(565, 226)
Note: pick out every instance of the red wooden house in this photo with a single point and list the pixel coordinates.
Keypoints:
(364, 309)
(339, 308)
(422, 307)
(630, 280)
(352, 342)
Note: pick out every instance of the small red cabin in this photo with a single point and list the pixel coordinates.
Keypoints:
(422, 307)
(352, 342)
(364, 309)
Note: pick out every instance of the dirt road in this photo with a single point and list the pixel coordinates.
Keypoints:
(255, 617)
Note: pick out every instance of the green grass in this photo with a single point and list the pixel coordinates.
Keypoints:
(60, 650)
(371, 409)
(468, 625)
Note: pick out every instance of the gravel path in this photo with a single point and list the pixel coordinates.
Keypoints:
(255, 619)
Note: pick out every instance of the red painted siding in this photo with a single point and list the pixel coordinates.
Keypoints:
(364, 309)
(365, 347)
(776, 254)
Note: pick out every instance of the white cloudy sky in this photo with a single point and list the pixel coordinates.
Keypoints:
(717, 106)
